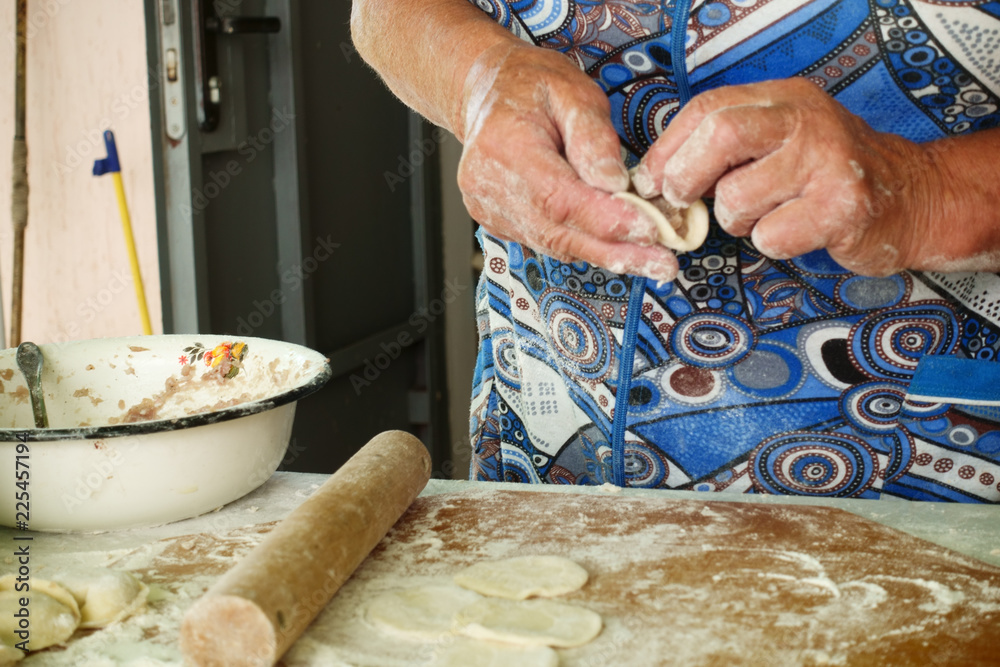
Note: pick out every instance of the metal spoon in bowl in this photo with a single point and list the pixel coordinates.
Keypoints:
(29, 360)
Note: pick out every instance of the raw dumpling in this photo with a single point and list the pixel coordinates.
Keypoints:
(423, 612)
(528, 622)
(469, 653)
(523, 577)
(680, 229)
(104, 596)
(54, 614)
(9, 655)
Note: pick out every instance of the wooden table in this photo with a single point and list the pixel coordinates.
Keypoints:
(679, 578)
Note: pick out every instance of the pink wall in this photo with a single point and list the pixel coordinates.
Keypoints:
(86, 73)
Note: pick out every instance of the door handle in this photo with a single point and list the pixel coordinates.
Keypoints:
(208, 27)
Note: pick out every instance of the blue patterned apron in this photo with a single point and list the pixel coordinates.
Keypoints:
(746, 374)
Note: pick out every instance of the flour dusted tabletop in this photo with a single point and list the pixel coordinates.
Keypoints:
(678, 578)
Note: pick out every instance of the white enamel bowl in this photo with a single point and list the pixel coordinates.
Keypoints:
(211, 440)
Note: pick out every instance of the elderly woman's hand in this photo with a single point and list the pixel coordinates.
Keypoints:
(542, 158)
(795, 171)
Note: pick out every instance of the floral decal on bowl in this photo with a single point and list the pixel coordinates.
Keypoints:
(226, 358)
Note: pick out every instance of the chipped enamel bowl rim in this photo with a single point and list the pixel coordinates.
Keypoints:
(313, 384)
(214, 443)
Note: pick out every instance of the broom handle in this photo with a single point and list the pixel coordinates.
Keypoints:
(133, 256)
(19, 194)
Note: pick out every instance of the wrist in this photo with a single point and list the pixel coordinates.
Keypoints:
(958, 206)
(474, 84)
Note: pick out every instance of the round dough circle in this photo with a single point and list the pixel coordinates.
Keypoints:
(523, 577)
(528, 622)
(423, 612)
(469, 653)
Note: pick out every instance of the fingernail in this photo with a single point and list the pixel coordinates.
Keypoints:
(673, 198)
(643, 183)
(610, 176)
(722, 214)
(669, 190)
(764, 246)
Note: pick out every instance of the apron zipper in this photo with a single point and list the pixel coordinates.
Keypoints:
(624, 387)
(678, 38)
(678, 57)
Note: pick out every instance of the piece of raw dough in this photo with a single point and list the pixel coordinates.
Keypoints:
(523, 577)
(9, 655)
(470, 653)
(104, 596)
(528, 622)
(680, 229)
(422, 612)
(54, 614)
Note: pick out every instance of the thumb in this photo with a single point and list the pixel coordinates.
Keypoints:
(593, 148)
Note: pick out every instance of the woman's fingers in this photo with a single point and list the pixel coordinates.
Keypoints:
(592, 146)
(532, 187)
(541, 162)
(649, 177)
(808, 223)
(724, 139)
(540, 229)
(654, 261)
(544, 204)
(748, 193)
(790, 230)
(794, 170)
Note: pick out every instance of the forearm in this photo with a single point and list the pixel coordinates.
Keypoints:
(962, 210)
(424, 49)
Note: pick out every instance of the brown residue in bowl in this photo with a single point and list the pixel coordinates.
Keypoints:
(89, 367)
(144, 411)
(278, 378)
(136, 348)
(222, 405)
(85, 392)
(21, 394)
(7, 374)
(148, 408)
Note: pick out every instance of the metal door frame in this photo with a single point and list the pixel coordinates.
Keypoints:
(183, 255)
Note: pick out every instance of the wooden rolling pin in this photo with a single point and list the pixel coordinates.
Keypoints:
(254, 613)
